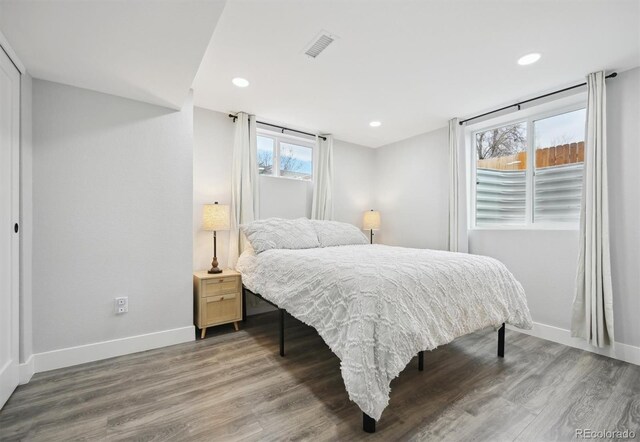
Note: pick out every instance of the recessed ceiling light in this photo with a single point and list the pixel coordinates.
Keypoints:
(240, 82)
(529, 59)
(375, 124)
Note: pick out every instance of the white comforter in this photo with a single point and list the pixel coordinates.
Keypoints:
(377, 306)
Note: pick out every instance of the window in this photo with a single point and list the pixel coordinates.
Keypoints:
(266, 155)
(501, 175)
(529, 172)
(559, 159)
(284, 156)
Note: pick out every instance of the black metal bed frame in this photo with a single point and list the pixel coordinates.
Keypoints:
(368, 423)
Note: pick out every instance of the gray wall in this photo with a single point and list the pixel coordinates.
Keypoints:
(212, 154)
(112, 192)
(286, 198)
(354, 182)
(623, 143)
(26, 218)
(117, 204)
(412, 193)
(412, 179)
(545, 260)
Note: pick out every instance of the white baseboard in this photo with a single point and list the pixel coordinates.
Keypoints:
(622, 352)
(26, 370)
(67, 357)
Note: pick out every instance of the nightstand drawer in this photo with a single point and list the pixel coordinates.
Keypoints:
(217, 309)
(225, 297)
(230, 284)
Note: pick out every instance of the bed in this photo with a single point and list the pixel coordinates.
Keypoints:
(377, 306)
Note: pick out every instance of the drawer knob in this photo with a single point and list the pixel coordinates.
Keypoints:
(221, 298)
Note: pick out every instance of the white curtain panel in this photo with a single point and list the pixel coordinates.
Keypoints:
(322, 205)
(244, 182)
(453, 184)
(592, 317)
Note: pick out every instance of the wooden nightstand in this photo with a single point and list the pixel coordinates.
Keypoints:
(217, 299)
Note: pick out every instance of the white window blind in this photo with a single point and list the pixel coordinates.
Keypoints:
(530, 171)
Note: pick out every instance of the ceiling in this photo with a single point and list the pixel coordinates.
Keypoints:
(410, 64)
(144, 50)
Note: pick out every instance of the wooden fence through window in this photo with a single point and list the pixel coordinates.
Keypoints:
(546, 157)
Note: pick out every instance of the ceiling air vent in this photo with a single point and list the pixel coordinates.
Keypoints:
(319, 44)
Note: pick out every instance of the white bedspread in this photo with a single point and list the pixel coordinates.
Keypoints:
(377, 306)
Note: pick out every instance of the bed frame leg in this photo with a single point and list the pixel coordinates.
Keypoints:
(368, 423)
(501, 341)
(244, 304)
(281, 332)
(421, 360)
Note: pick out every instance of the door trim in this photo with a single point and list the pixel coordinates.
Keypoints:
(13, 57)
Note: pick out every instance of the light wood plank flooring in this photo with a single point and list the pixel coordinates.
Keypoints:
(235, 386)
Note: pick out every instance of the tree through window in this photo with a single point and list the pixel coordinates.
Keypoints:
(284, 156)
(530, 171)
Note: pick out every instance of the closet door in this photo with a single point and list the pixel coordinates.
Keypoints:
(9, 236)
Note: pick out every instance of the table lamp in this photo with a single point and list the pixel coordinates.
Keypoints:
(371, 221)
(215, 217)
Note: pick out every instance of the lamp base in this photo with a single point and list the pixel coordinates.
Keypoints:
(214, 267)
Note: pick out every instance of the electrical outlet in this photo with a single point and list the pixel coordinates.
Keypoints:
(122, 305)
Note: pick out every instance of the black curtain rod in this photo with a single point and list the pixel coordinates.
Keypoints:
(282, 128)
(612, 75)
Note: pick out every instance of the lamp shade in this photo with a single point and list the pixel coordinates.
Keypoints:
(215, 217)
(371, 220)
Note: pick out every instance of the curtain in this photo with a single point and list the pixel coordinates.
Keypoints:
(592, 317)
(244, 182)
(453, 184)
(322, 205)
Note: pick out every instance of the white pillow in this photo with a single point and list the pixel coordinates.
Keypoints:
(334, 233)
(278, 233)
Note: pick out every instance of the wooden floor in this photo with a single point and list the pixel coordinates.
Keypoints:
(235, 386)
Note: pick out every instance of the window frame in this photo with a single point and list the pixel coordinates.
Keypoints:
(277, 138)
(529, 116)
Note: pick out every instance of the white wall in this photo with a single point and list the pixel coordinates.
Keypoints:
(623, 143)
(212, 154)
(287, 198)
(407, 182)
(112, 205)
(26, 218)
(412, 191)
(117, 184)
(412, 195)
(545, 261)
(354, 182)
